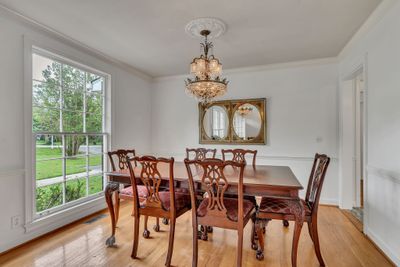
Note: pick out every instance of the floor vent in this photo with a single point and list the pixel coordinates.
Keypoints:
(98, 217)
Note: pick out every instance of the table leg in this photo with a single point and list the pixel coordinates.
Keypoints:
(108, 192)
(299, 214)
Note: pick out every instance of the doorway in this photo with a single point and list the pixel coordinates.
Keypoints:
(352, 147)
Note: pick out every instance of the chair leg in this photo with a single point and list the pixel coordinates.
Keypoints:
(239, 248)
(314, 230)
(285, 223)
(135, 236)
(116, 206)
(171, 242)
(195, 244)
(253, 232)
(260, 225)
(156, 227)
(146, 232)
(295, 243)
(310, 229)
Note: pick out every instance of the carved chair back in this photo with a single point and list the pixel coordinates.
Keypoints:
(214, 182)
(119, 157)
(201, 153)
(239, 155)
(316, 181)
(151, 178)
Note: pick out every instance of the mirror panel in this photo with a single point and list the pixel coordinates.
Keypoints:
(216, 123)
(246, 122)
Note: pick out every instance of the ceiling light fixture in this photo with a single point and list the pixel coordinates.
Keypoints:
(206, 84)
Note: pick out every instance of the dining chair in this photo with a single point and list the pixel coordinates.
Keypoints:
(239, 155)
(283, 209)
(119, 157)
(216, 209)
(200, 153)
(167, 204)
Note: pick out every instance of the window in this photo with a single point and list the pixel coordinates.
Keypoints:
(68, 132)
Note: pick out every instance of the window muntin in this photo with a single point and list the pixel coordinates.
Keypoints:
(68, 129)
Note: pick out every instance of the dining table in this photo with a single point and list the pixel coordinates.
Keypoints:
(258, 181)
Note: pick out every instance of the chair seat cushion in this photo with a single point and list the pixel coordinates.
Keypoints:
(231, 205)
(182, 200)
(279, 205)
(128, 191)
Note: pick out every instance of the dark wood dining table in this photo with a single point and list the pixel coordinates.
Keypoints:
(259, 180)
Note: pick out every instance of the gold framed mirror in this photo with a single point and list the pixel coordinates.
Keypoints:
(241, 121)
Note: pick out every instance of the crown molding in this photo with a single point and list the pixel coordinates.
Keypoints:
(19, 17)
(371, 21)
(275, 66)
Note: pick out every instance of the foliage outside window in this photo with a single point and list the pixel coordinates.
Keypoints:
(68, 126)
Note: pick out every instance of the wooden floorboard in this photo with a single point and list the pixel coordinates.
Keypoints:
(84, 245)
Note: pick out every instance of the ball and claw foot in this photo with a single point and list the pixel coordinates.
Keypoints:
(165, 221)
(285, 223)
(110, 241)
(156, 228)
(259, 255)
(146, 234)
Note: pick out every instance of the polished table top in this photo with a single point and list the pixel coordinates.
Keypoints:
(258, 176)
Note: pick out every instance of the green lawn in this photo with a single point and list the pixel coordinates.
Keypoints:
(53, 168)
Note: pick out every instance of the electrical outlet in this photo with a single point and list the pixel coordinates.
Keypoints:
(15, 221)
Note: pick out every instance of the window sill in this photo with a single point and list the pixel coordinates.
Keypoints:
(66, 216)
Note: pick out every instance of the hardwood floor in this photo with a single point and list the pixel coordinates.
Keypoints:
(83, 244)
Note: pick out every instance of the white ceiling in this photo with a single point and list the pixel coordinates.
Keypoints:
(149, 35)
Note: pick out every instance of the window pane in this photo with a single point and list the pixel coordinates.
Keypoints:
(46, 169)
(95, 164)
(95, 184)
(72, 78)
(94, 83)
(45, 69)
(94, 109)
(45, 120)
(75, 167)
(96, 144)
(73, 99)
(46, 95)
(48, 197)
(75, 145)
(48, 147)
(75, 189)
(72, 121)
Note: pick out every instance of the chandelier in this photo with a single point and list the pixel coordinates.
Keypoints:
(206, 69)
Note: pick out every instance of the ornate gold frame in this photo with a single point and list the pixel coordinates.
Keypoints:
(230, 106)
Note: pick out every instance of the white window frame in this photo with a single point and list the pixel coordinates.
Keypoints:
(34, 221)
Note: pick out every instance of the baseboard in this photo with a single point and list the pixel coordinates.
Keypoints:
(383, 247)
(48, 227)
(329, 202)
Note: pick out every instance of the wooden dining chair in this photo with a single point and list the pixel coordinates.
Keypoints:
(118, 162)
(200, 153)
(284, 209)
(216, 209)
(239, 155)
(167, 204)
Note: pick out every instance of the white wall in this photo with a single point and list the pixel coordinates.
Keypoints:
(130, 113)
(379, 50)
(301, 116)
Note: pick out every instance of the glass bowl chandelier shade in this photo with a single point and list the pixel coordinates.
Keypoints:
(206, 84)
